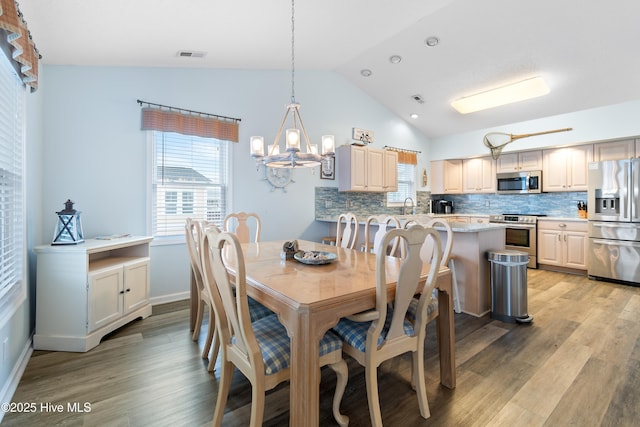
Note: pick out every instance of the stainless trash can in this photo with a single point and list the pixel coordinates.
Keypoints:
(509, 286)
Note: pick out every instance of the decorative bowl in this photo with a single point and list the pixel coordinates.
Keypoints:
(314, 257)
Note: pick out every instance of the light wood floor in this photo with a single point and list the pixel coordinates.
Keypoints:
(578, 364)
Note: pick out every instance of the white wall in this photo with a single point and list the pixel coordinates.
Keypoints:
(97, 156)
(610, 122)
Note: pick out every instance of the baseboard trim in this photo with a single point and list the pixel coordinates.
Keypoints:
(170, 298)
(10, 387)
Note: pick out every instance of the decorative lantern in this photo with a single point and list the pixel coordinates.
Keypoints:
(69, 228)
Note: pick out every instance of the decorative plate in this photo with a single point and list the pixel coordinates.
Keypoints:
(314, 257)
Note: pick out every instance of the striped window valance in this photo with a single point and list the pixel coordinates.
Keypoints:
(408, 157)
(187, 122)
(17, 43)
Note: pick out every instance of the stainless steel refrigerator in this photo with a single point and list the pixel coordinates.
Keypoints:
(614, 220)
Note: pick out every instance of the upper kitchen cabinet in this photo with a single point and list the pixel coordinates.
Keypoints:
(565, 169)
(614, 150)
(519, 162)
(446, 176)
(479, 175)
(367, 169)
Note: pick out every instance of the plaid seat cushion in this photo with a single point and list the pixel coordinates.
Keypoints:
(276, 346)
(257, 311)
(432, 307)
(355, 333)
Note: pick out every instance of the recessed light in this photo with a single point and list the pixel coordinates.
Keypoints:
(395, 59)
(432, 41)
(366, 72)
(414, 116)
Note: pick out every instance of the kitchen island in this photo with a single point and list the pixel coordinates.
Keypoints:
(471, 242)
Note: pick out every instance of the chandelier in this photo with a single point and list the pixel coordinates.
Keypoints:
(292, 157)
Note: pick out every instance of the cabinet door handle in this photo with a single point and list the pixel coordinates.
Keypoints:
(128, 289)
(121, 292)
(565, 237)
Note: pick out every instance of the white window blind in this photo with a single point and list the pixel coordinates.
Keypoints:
(190, 176)
(12, 231)
(406, 184)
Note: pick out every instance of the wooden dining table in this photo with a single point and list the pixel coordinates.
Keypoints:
(310, 299)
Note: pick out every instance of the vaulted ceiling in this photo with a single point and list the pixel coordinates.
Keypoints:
(586, 50)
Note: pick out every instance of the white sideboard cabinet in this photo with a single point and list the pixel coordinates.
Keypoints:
(86, 291)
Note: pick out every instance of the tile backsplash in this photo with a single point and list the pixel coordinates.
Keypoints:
(329, 203)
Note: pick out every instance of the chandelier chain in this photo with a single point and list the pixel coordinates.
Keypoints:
(293, 58)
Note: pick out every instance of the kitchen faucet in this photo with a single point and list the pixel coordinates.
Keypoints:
(404, 206)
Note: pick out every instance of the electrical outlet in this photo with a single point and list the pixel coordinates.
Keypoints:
(348, 204)
(363, 135)
(487, 203)
(328, 204)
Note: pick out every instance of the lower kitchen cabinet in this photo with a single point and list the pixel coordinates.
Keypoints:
(86, 291)
(562, 244)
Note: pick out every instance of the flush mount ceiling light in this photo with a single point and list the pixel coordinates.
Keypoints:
(395, 59)
(293, 157)
(520, 91)
(366, 72)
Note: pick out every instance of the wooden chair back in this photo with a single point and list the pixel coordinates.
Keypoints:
(193, 234)
(378, 225)
(347, 234)
(427, 247)
(407, 286)
(239, 223)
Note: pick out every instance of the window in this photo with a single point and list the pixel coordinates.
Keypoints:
(189, 180)
(171, 202)
(406, 185)
(187, 202)
(12, 208)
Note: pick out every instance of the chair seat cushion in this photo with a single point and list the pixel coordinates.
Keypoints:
(432, 309)
(355, 333)
(257, 311)
(275, 344)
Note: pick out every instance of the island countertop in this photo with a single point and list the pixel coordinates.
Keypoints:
(458, 227)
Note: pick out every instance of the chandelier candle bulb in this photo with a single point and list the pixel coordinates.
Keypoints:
(257, 146)
(314, 148)
(293, 139)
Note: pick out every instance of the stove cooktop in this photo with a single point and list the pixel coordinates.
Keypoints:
(513, 218)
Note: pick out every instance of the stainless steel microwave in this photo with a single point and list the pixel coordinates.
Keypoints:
(519, 182)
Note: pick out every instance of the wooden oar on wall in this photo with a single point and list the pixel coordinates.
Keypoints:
(497, 140)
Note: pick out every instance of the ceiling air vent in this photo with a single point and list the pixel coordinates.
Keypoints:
(191, 54)
(418, 98)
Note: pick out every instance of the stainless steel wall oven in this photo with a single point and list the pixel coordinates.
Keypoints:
(520, 234)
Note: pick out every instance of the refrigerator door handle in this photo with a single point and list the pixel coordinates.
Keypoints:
(616, 243)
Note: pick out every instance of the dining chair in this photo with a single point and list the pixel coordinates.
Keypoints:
(347, 234)
(193, 234)
(385, 332)
(239, 223)
(447, 257)
(261, 350)
(374, 230)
